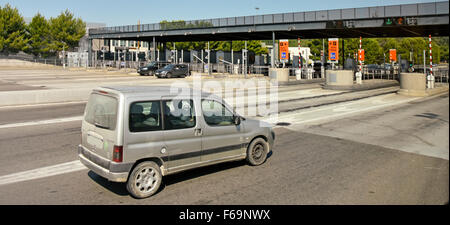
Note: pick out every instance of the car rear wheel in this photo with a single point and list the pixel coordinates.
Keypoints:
(257, 152)
(144, 180)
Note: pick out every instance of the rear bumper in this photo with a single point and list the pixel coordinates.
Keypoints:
(117, 172)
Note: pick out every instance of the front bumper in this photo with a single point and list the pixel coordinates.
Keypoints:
(117, 172)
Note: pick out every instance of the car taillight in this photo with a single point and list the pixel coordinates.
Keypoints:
(118, 153)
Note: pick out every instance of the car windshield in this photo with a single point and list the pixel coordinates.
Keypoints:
(168, 67)
(151, 64)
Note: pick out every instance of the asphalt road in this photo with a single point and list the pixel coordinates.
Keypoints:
(312, 163)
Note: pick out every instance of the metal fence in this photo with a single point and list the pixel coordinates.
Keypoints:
(29, 58)
(380, 73)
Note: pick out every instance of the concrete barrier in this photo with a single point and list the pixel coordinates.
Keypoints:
(15, 63)
(339, 77)
(414, 84)
(279, 74)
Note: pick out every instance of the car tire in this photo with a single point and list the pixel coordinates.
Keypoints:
(257, 152)
(145, 180)
(169, 75)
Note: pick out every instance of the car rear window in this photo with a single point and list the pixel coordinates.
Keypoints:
(101, 111)
(145, 116)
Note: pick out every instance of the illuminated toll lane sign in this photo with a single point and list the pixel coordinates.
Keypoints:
(393, 55)
(333, 49)
(284, 50)
(361, 55)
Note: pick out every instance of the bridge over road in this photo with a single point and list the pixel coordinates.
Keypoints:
(407, 20)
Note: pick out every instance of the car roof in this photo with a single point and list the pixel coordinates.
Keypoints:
(155, 91)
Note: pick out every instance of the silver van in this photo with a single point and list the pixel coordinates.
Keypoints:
(139, 134)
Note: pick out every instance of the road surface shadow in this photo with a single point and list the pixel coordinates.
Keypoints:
(120, 188)
(202, 171)
(115, 187)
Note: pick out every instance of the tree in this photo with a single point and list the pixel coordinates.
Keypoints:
(40, 39)
(444, 47)
(13, 35)
(66, 31)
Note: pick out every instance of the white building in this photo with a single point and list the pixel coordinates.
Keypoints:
(306, 53)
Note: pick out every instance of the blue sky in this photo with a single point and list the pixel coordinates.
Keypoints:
(149, 11)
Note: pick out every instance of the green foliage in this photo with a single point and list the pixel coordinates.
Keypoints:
(253, 46)
(66, 31)
(40, 38)
(376, 48)
(13, 35)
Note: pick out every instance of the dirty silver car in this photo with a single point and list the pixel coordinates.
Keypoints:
(138, 135)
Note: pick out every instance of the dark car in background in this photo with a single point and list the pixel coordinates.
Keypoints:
(373, 68)
(172, 70)
(318, 67)
(150, 68)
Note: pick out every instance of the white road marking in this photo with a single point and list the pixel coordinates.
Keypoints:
(332, 111)
(42, 172)
(42, 122)
(352, 112)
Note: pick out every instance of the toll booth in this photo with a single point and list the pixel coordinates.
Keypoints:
(295, 61)
(349, 64)
(212, 58)
(192, 57)
(259, 60)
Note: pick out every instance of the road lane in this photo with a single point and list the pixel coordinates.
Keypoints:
(324, 170)
(421, 126)
(305, 168)
(31, 147)
(31, 113)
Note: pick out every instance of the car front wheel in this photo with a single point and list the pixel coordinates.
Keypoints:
(257, 152)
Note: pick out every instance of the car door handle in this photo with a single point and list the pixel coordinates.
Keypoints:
(198, 132)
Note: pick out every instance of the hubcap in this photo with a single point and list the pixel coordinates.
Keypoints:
(258, 152)
(146, 180)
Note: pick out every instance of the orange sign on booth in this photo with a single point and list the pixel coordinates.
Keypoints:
(284, 49)
(393, 55)
(361, 54)
(333, 49)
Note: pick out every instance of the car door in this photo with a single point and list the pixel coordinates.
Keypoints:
(143, 133)
(177, 70)
(181, 137)
(221, 138)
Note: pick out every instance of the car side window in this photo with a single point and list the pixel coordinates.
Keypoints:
(216, 114)
(145, 116)
(178, 114)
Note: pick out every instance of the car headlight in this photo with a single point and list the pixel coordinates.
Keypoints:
(144, 68)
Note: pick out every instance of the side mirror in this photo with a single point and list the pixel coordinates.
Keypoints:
(237, 120)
